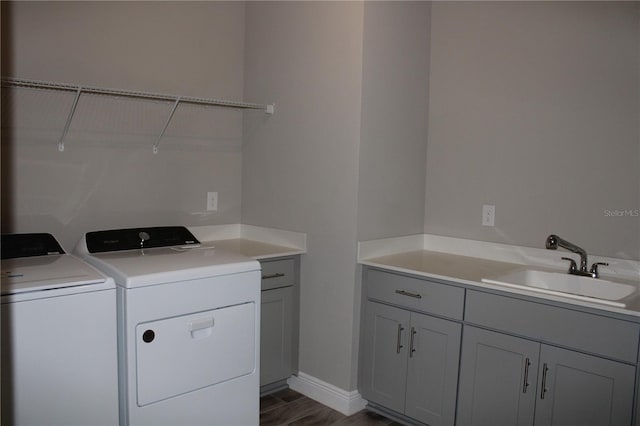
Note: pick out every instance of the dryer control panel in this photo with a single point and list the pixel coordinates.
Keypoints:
(28, 245)
(139, 238)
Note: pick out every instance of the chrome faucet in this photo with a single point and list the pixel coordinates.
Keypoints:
(553, 242)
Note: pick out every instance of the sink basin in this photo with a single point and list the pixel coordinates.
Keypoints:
(562, 284)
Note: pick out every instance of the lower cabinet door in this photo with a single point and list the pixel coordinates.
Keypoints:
(432, 375)
(583, 390)
(276, 318)
(497, 379)
(384, 342)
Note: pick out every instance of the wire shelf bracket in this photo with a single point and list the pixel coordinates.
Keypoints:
(177, 100)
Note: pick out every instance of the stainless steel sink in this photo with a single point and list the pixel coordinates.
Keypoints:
(566, 285)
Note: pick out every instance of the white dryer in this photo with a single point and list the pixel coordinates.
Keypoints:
(188, 323)
(59, 356)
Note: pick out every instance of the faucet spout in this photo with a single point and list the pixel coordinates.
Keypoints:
(553, 242)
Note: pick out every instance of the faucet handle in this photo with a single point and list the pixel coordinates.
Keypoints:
(594, 268)
(573, 268)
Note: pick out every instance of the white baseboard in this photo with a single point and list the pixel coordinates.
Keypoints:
(346, 402)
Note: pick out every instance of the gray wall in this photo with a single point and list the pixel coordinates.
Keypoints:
(300, 167)
(108, 175)
(534, 107)
(343, 158)
(395, 94)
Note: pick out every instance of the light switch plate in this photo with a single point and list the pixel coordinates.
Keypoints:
(212, 201)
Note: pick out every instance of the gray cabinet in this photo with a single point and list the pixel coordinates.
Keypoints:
(278, 322)
(497, 379)
(432, 371)
(522, 360)
(409, 360)
(384, 364)
(507, 380)
(586, 364)
(275, 335)
(584, 390)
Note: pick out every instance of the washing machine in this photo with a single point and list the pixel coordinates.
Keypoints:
(188, 326)
(59, 351)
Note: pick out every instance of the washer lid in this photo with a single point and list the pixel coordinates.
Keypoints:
(163, 265)
(33, 274)
(138, 257)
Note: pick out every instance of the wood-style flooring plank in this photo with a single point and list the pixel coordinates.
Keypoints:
(363, 418)
(325, 416)
(269, 402)
(287, 413)
(290, 408)
(288, 395)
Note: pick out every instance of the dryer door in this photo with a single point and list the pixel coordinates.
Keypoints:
(186, 353)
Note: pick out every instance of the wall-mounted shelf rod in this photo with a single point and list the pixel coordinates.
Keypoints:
(19, 82)
(6, 82)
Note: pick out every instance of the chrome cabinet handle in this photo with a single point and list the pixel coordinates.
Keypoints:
(399, 339)
(276, 275)
(525, 385)
(411, 348)
(544, 380)
(406, 293)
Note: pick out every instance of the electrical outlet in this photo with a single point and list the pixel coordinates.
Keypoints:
(212, 201)
(488, 215)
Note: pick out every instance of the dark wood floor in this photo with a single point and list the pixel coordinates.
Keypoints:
(290, 408)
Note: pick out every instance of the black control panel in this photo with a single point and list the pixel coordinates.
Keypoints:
(136, 238)
(28, 245)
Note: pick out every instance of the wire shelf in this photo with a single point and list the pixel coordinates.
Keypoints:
(177, 100)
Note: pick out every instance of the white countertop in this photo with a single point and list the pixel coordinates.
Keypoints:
(405, 255)
(254, 249)
(252, 241)
(441, 265)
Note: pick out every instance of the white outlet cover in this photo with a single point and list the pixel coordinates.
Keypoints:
(488, 215)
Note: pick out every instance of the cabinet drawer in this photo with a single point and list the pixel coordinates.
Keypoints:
(415, 294)
(597, 334)
(278, 273)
